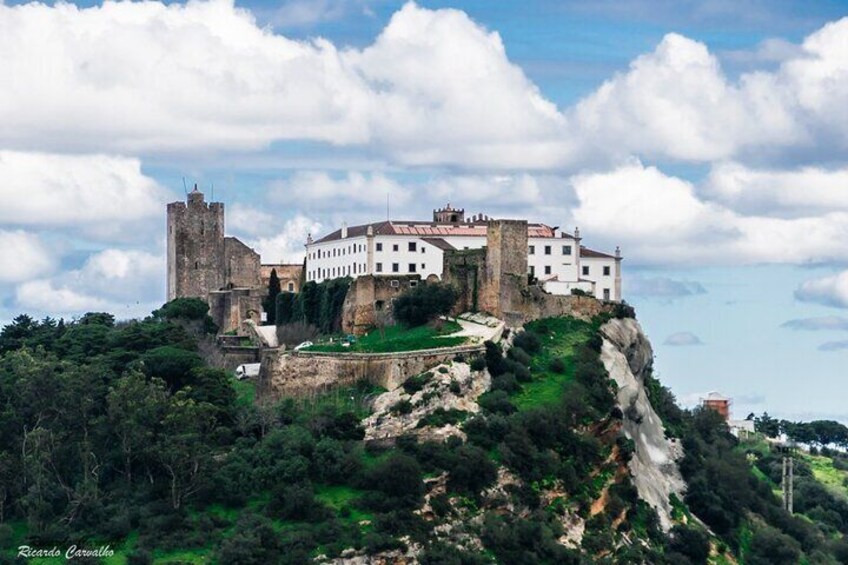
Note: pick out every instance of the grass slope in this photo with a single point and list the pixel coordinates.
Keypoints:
(398, 338)
(565, 334)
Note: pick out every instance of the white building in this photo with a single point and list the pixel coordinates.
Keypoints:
(555, 258)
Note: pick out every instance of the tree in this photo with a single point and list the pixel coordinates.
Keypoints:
(424, 302)
(171, 364)
(182, 449)
(270, 302)
(767, 425)
(284, 308)
(135, 408)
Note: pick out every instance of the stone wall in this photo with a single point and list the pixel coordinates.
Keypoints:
(228, 308)
(466, 271)
(286, 373)
(370, 297)
(494, 279)
(241, 264)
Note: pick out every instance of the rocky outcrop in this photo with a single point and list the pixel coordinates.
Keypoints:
(627, 356)
(450, 386)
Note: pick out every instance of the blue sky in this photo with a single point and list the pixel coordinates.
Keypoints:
(708, 139)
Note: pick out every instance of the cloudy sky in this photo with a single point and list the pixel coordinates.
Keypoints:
(708, 139)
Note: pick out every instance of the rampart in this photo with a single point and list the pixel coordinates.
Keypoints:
(287, 373)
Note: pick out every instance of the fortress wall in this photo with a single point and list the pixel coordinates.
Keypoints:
(241, 264)
(286, 373)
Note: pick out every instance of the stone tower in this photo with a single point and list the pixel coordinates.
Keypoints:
(195, 247)
(506, 266)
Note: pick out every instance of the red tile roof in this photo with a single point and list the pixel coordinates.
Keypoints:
(431, 229)
(591, 253)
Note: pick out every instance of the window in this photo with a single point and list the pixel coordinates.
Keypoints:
(547, 250)
(422, 266)
(412, 267)
(606, 271)
(606, 294)
(395, 267)
(412, 246)
(379, 267)
(291, 287)
(532, 250)
(585, 271)
(394, 284)
(566, 250)
(423, 249)
(547, 269)
(395, 247)
(379, 247)
(195, 264)
(413, 284)
(532, 270)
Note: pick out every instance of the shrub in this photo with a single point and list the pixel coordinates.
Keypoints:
(455, 388)
(690, 541)
(529, 341)
(506, 383)
(496, 402)
(441, 417)
(403, 406)
(478, 364)
(424, 302)
(494, 359)
(519, 355)
(399, 480)
(557, 365)
(416, 383)
(295, 333)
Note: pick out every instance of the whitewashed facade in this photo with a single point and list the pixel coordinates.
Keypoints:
(556, 258)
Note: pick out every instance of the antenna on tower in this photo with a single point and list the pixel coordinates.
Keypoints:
(185, 188)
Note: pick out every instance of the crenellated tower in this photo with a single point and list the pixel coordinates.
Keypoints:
(195, 247)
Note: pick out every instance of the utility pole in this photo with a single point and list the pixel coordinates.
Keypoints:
(788, 484)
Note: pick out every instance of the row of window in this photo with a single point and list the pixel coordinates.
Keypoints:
(606, 270)
(411, 268)
(566, 250)
(337, 251)
(333, 272)
(410, 246)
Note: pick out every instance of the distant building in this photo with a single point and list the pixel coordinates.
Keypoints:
(389, 248)
(719, 403)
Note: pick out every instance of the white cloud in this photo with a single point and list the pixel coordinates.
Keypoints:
(785, 193)
(287, 245)
(23, 256)
(817, 324)
(101, 196)
(148, 77)
(319, 190)
(830, 291)
(660, 219)
(662, 287)
(127, 283)
(683, 339)
(677, 102)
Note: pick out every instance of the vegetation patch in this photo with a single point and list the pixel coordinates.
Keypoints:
(394, 339)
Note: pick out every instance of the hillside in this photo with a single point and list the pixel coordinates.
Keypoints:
(558, 446)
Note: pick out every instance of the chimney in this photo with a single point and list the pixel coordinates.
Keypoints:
(617, 252)
(344, 230)
(576, 233)
(309, 239)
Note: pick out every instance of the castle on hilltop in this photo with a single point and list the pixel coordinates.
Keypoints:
(555, 258)
(205, 263)
(388, 256)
